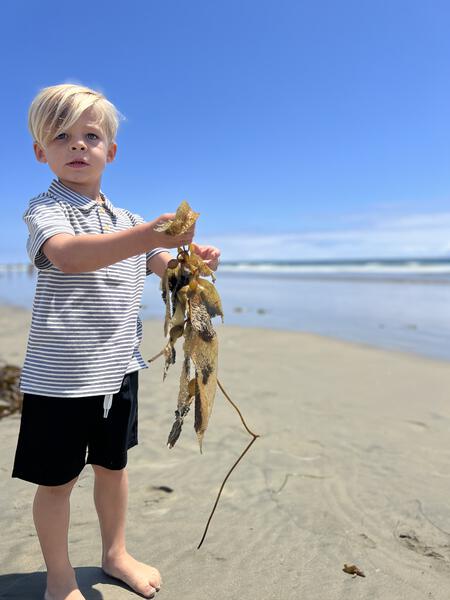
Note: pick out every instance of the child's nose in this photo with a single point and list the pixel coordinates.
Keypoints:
(78, 146)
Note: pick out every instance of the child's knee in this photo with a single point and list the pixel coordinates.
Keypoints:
(110, 473)
(57, 490)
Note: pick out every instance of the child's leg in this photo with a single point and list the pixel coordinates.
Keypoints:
(111, 498)
(51, 511)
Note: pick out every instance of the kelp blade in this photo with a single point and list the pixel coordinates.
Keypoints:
(185, 217)
(210, 298)
(204, 349)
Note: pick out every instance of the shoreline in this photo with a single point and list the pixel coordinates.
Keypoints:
(344, 271)
(263, 330)
(351, 277)
(405, 318)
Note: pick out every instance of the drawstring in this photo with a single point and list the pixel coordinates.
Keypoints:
(107, 402)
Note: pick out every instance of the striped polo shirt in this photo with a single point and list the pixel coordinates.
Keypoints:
(85, 329)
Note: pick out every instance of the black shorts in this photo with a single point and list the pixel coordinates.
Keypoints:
(58, 436)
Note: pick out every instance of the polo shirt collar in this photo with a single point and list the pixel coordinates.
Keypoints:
(108, 205)
(82, 202)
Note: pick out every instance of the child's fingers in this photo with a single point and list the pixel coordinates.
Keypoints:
(215, 252)
(162, 219)
(212, 263)
(207, 251)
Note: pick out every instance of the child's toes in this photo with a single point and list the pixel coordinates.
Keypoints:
(153, 575)
(142, 578)
(145, 589)
(148, 591)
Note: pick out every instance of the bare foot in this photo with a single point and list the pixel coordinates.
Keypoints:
(141, 578)
(63, 589)
(73, 595)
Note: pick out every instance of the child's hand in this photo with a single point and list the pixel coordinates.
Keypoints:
(209, 254)
(163, 240)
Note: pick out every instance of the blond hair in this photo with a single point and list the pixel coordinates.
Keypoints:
(58, 107)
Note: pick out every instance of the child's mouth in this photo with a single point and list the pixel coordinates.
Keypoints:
(77, 164)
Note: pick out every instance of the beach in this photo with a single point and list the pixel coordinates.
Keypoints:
(353, 466)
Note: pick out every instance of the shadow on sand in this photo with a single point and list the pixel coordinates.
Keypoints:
(31, 586)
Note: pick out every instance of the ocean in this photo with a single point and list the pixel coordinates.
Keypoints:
(394, 304)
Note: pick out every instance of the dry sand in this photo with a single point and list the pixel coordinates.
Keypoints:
(353, 467)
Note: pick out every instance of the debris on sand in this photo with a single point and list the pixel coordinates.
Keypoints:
(10, 396)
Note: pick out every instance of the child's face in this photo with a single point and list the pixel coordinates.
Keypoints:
(78, 156)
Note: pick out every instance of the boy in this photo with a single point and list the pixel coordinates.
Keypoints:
(80, 373)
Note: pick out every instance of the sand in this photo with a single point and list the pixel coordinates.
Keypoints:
(353, 466)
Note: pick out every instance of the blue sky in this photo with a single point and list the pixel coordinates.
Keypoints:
(298, 129)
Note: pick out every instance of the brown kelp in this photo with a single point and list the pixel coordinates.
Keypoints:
(191, 302)
(353, 570)
(10, 395)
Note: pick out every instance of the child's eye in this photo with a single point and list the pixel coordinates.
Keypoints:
(92, 136)
(61, 136)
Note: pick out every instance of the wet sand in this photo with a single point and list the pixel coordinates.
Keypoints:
(353, 466)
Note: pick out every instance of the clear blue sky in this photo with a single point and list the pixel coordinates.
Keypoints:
(299, 129)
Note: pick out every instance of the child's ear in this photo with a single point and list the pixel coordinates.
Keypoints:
(110, 155)
(39, 152)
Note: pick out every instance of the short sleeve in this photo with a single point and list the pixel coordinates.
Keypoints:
(44, 218)
(138, 220)
(150, 255)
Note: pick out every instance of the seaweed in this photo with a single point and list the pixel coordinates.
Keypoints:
(10, 395)
(191, 302)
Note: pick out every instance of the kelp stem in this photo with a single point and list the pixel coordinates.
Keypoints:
(221, 488)
(157, 356)
(239, 412)
(254, 435)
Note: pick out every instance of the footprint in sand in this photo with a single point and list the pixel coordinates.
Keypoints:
(157, 493)
(417, 425)
(420, 535)
(155, 500)
(409, 539)
(367, 541)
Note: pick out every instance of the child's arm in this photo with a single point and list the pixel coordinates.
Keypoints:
(81, 253)
(158, 263)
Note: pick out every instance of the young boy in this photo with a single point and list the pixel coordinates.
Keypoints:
(80, 375)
